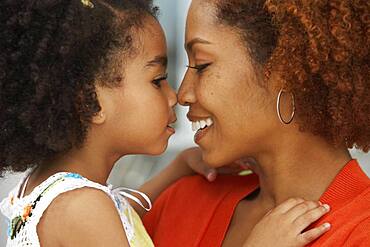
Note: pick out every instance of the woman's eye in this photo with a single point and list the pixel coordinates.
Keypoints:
(199, 68)
(157, 82)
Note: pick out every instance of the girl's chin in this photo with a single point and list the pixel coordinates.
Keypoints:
(158, 150)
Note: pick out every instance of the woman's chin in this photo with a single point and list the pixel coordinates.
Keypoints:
(214, 159)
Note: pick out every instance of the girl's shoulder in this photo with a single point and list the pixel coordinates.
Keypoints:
(67, 204)
(87, 215)
(55, 201)
(43, 194)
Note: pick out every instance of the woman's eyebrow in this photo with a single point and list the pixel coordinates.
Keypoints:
(189, 45)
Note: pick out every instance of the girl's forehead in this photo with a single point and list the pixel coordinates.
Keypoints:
(151, 43)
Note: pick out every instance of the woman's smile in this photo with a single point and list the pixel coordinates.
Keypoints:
(200, 125)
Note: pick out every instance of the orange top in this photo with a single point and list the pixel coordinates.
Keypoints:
(193, 212)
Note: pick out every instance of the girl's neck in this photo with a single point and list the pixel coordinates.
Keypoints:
(91, 161)
(91, 166)
(298, 166)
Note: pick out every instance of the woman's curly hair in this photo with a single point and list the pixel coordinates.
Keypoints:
(51, 54)
(320, 49)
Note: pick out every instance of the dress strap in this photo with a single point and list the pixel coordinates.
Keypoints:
(123, 192)
(24, 186)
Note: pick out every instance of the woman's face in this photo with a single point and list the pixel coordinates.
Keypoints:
(223, 90)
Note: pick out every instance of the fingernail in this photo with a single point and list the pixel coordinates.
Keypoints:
(327, 207)
(326, 225)
(211, 176)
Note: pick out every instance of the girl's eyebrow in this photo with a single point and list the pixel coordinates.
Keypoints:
(158, 60)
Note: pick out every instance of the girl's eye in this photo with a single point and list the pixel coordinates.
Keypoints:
(199, 68)
(157, 82)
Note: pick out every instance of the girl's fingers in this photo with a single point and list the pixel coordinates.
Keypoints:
(311, 235)
(286, 206)
(301, 209)
(303, 221)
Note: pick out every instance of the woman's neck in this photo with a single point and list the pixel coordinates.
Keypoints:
(298, 166)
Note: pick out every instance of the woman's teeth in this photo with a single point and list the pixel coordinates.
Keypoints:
(202, 124)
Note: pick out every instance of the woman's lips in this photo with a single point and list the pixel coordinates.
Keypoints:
(201, 125)
(200, 134)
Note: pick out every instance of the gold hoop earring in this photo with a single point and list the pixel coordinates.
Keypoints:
(278, 108)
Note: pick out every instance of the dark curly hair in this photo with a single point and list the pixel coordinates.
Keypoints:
(320, 50)
(51, 54)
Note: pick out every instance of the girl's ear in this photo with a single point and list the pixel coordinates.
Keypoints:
(101, 116)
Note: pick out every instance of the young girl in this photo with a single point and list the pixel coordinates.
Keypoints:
(83, 83)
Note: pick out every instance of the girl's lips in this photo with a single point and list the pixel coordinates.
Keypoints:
(171, 130)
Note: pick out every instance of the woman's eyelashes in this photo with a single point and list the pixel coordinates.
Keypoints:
(199, 68)
(157, 82)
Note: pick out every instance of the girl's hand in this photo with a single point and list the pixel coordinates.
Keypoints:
(193, 159)
(285, 225)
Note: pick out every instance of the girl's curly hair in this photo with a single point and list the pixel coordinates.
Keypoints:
(51, 54)
(320, 49)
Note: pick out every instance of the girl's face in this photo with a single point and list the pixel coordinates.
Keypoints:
(222, 89)
(139, 112)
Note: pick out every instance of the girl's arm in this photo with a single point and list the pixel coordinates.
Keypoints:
(188, 162)
(177, 169)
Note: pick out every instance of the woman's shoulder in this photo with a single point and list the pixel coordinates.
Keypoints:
(360, 235)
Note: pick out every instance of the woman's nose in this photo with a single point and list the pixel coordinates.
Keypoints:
(186, 95)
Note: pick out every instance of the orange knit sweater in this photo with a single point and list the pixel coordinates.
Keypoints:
(193, 212)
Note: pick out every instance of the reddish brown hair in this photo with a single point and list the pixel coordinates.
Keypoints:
(320, 51)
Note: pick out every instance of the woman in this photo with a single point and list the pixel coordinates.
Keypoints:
(285, 82)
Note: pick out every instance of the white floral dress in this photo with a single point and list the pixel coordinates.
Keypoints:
(24, 213)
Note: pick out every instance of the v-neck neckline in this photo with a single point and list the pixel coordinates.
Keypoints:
(219, 223)
(335, 195)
